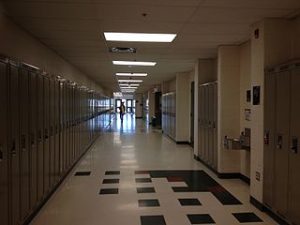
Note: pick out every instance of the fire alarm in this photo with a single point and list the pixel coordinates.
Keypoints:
(256, 33)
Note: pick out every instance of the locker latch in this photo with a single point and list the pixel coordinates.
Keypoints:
(294, 145)
(279, 142)
(1, 153)
(267, 137)
(23, 142)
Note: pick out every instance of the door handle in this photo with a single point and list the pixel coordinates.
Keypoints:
(294, 145)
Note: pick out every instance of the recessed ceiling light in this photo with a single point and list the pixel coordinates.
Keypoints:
(134, 63)
(139, 37)
(130, 81)
(128, 85)
(132, 74)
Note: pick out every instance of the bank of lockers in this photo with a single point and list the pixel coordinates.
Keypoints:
(46, 124)
(169, 114)
(207, 109)
(281, 142)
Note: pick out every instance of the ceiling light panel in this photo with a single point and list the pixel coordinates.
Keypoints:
(132, 74)
(128, 85)
(134, 63)
(139, 37)
(130, 81)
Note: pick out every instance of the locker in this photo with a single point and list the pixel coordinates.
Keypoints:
(281, 143)
(61, 127)
(24, 143)
(269, 138)
(40, 135)
(51, 131)
(200, 122)
(46, 134)
(215, 128)
(210, 123)
(294, 154)
(14, 145)
(33, 138)
(57, 130)
(3, 144)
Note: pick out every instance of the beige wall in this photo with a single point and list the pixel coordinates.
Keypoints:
(20, 45)
(182, 107)
(245, 84)
(228, 106)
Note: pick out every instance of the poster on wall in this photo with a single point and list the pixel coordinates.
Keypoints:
(256, 95)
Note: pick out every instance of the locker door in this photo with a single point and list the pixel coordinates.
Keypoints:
(281, 142)
(294, 153)
(61, 128)
(3, 145)
(14, 145)
(57, 136)
(51, 131)
(33, 138)
(206, 114)
(46, 135)
(210, 123)
(269, 136)
(40, 135)
(215, 127)
(24, 147)
(200, 121)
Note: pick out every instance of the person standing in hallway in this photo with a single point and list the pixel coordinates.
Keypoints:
(122, 110)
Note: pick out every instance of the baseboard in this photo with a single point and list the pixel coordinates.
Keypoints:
(225, 175)
(265, 209)
(182, 142)
(29, 219)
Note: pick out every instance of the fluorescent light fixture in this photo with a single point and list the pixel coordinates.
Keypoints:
(133, 63)
(132, 74)
(139, 37)
(129, 85)
(130, 81)
(127, 90)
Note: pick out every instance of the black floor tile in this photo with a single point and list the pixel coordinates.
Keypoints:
(148, 203)
(143, 180)
(189, 201)
(109, 191)
(141, 172)
(153, 220)
(145, 190)
(246, 217)
(200, 219)
(83, 173)
(111, 181)
(112, 173)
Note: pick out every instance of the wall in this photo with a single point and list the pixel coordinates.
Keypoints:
(228, 106)
(138, 105)
(245, 84)
(18, 44)
(182, 107)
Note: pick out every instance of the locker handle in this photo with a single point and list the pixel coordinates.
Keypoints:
(1, 153)
(279, 142)
(32, 139)
(294, 145)
(13, 148)
(40, 136)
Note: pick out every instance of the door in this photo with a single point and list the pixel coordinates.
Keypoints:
(24, 143)
(294, 154)
(129, 105)
(118, 104)
(269, 138)
(14, 146)
(3, 145)
(281, 143)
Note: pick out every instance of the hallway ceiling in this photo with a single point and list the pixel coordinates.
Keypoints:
(74, 29)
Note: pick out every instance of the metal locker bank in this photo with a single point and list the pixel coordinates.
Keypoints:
(47, 124)
(281, 141)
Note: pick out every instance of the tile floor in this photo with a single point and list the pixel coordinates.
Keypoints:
(133, 175)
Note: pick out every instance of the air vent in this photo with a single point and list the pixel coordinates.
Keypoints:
(122, 50)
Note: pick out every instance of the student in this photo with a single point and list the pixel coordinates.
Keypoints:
(122, 110)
